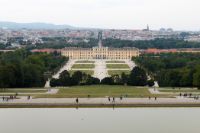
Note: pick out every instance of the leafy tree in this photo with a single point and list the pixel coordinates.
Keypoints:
(55, 82)
(7, 79)
(90, 80)
(124, 78)
(175, 69)
(24, 69)
(159, 43)
(196, 77)
(116, 79)
(138, 77)
(65, 79)
(186, 78)
(107, 81)
(77, 77)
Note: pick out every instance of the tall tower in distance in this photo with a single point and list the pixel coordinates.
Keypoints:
(148, 28)
(100, 39)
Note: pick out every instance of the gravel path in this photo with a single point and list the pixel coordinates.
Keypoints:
(154, 91)
(121, 69)
(82, 69)
(131, 64)
(104, 101)
(67, 67)
(49, 91)
(100, 69)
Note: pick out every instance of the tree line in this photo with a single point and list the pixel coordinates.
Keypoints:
(156, 43)
(60, 42)
(137, 77)
(172, 70)
(77, 78)
(2, 46)
(22, 68)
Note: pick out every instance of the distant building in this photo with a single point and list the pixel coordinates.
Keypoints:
(189, 50)
(162, 30)
(100, 52)
(170, 30)
(45, 51)
(5, 51)
(159, 51)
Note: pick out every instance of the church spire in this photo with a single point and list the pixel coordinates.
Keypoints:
(147, 27)
(100, 39)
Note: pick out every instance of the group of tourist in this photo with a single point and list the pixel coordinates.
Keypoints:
(185, 95)
(28, 97)
(111, 99)
(190, 95)
(11, 97)
(155, 98)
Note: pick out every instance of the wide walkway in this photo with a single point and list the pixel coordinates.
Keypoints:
(103, 102)
(67, 67)
(131, 64)
(100, 70)
(48, 91)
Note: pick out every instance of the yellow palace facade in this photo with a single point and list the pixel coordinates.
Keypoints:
(100, 53)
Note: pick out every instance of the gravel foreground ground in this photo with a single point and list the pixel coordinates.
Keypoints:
(101, 102)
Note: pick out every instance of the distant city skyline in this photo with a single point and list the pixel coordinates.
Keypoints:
(105, 14)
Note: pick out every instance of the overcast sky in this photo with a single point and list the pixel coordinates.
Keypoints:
(118, 14)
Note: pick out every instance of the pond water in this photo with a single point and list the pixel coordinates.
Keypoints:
(100, 120)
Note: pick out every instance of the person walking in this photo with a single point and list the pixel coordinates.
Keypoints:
(77, 101)
(109, 99)
(113, 99)
(121, 97)
(29, 97)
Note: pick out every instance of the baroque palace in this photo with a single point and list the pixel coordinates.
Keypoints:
(100, 52)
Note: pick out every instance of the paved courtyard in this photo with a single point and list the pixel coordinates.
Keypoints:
(100, 69)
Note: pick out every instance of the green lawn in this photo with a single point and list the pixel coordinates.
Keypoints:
(83, 66)
(117, 72)
(85, 61)
(99, 91)
(177, 90)
(23, 91)
(117, 66)
(115, 61)
(84, 71)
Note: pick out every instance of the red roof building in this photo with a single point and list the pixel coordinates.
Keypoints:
(46, 51)
(159, 51)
